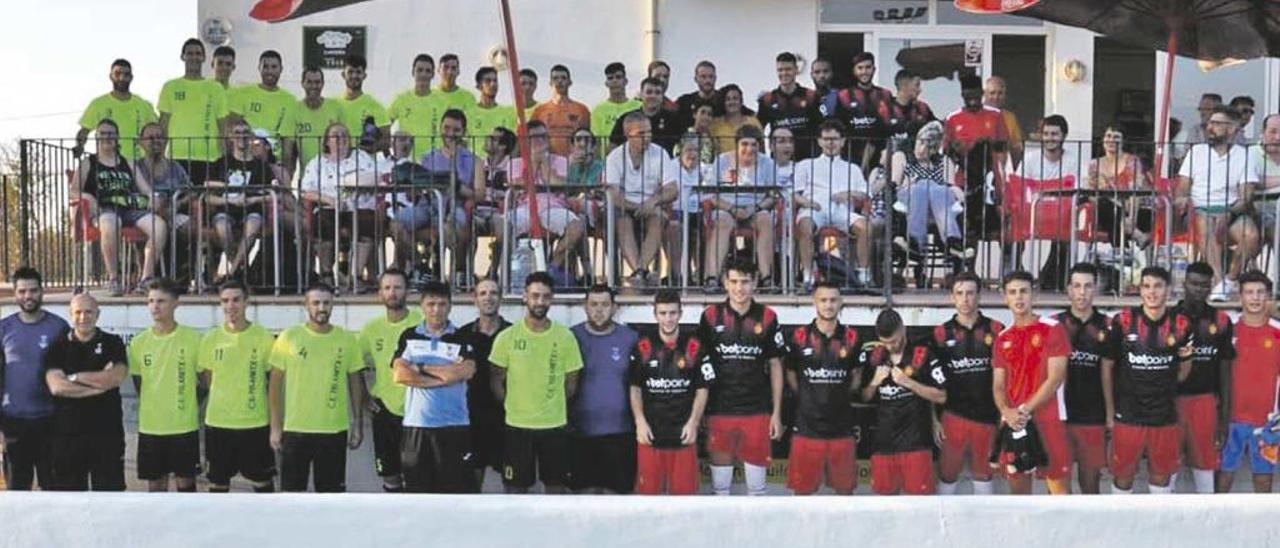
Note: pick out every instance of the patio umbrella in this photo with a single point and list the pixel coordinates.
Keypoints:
(1211, 30)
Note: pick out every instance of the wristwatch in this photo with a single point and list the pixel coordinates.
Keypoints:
(72, 377)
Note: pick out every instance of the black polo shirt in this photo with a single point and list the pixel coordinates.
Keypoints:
(99, 414)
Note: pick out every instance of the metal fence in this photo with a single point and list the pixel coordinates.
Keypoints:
(629, 214)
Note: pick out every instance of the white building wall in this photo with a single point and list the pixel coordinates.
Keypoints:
(1073, 100)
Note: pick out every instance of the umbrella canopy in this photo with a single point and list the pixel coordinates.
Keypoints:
(1205, 29)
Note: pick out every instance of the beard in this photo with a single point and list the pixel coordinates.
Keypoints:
(30, 305)
(538, 312)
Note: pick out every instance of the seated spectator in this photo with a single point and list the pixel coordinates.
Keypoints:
(826, 192)
(693, 173)
(733, 115)
(554, 214)
(405, 171)
(329, 182)
(451, 168)
(1245, 107)
(105, 181)
(782, 148)
(244, 210)
(1117, 169)
(703, 118)
(918, 172)
(159, 177)
(491, 189)
(586, 170)
(642, 178)
(747, 166)
(1266, 163)
(1053, 163)
(1217, 178)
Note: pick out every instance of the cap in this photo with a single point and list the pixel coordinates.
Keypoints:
(265, 136)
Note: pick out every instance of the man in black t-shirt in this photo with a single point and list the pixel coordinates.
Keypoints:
(1082, 392)
(969, 418)
(704, 75)
(487, 416)
(84, 370)
(669, 380)
(231, 210)
(822, 362)
(663, 123)
(1149, 354)
(791, 106)
(745, 346)
(904, 380)
(1199, 394)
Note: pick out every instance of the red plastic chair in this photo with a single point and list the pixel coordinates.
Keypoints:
(84, 231)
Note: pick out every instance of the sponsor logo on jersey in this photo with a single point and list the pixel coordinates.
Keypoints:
(1205, 352)
(822, 374)
(970, 363)
(1084, 358)
(1147, 361)
(732, 350)
(807, 352)
(667, 384)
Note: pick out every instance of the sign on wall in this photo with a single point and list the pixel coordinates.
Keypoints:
(327, 46)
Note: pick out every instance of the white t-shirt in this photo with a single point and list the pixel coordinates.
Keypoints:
(820, 178)
(730, 172)
(1216, 179)
(324, 176)
(1036, 167)
(690, 201)
(640, 182)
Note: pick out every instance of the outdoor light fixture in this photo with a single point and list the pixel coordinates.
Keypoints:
(1074, 71)
(498, 57)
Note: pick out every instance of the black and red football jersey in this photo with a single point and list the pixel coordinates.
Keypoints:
(1213, 333)
(904, 420)
(668, 376)
(739, 348)
(824, 367)
(965, 354)
(1082, 390)
(1145, 351)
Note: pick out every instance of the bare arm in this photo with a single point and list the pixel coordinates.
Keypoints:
(776, 382)
(164, 122)
(62, 387)
(570, 385)
(1184, 370)
(689, 434)
(407, 374)
(498, 382)
(644, 435)
(793, 381)
(275, 400)
(869, 391)
(1224, 402)
(1108, 390)
(461, 371)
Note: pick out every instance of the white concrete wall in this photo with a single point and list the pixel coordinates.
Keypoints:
(1074, 100)
(142, 519)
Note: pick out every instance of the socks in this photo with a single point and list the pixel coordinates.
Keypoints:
(721, 479)
(1204, 480)
(984, 487)
(1118, 491)
(755, 479)
(1158, 490)
(945, 488)
(191, 489)
(219, 488)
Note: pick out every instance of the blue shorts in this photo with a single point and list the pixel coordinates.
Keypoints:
(1241, 440)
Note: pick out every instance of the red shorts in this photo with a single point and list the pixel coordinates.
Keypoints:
(1128, 441)
(666, 470)
(810, 456)
(910, 472)
(963, 436)
(745, 438)
(1197, 423)
(1088, 445)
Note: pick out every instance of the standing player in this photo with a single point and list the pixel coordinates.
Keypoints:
(1198, 395)
(1030, 363)
(233, 365)
(163, 361)
(790, 106)
(487, 115)
(84, 370)
(452, 96)
(1150, 349)
(535, 371)
(313, 115)
(745, 347)
(192, 112)
(562, 115)
(669, 380)
(963, 346)
(266, 105)
(26, 408)
(487, 422)
(315, 382)
(378, 339)
(1249, 384)
(436, 450)
(360, 109)
(603, 448)
(126, 109)
(905, 380)
(223, 64)
(418, 110)
(822, 361)
(606, 113)
(865, 108)
(1082, 391)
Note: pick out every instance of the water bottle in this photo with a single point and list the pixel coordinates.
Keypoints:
(1179, 270)
(526, 258)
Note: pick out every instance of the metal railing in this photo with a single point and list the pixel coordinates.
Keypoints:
(929, 213)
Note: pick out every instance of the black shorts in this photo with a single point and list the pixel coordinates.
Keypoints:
(487, 440)
(532, 455)
(386, 441)
(239, 451)
(300, 453)
(129, 216)
(368, 228)
(27, 452)
(177, 454)
(605, 462)
(438, 460)
(79, 460)
(197, 170)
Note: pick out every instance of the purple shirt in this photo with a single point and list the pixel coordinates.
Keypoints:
(25, 394)
(602, 404)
